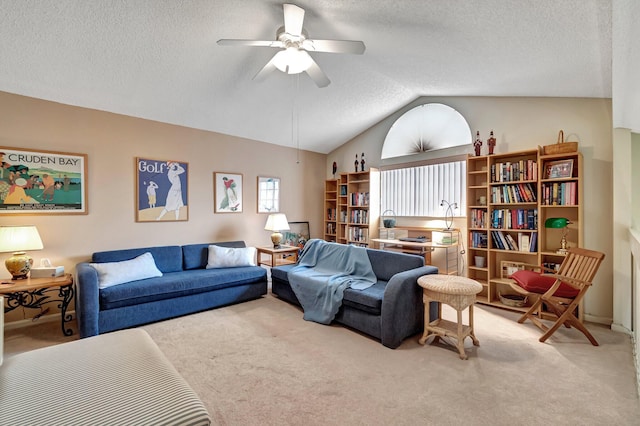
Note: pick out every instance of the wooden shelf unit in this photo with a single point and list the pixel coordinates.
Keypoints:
(331, 210)
(477, 221)
(515, 209)
(357, 201)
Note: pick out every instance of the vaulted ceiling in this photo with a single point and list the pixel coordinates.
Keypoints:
(158, 59)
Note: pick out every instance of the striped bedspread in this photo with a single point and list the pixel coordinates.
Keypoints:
(119, 378)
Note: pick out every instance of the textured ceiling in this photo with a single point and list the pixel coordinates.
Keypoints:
(158, 59)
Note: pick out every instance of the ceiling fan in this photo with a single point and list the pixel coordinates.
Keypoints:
(294, 42)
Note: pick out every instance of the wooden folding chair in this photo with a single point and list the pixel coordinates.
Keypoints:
(561, 292)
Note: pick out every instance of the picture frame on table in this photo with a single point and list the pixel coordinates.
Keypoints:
(297, 235)
(227, 192)
(34, 181)
(162, 190)
(559, 169)
(268, 194)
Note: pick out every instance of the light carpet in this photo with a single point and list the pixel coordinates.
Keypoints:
(260, 363)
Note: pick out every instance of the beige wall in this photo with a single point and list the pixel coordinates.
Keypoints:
(113, 141)
(524, 123)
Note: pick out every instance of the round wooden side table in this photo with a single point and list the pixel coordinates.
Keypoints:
(457, 292)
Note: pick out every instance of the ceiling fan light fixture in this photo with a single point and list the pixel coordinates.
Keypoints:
(292, 60)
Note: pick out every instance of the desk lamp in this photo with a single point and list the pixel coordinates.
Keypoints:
(277, 222)
(19, 239)
(559, 223)
(448, 215)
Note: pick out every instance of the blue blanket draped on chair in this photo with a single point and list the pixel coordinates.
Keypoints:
(323, 272)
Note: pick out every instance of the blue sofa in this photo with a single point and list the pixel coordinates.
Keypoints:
(390, 310)
(185, 287)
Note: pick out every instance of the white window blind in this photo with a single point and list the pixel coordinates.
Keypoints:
(418, 191)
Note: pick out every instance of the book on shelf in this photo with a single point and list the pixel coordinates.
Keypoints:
(505, 241)
(514, 218)
(478, 218)
(513, 245)
(524, 241)
(513, 193)
(359, 198)
(478, 239)
(509, 171)
(533, 245)
(560, 193)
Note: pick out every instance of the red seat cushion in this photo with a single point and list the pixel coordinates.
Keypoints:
(536, 283)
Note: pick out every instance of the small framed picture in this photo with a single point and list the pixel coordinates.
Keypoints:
(227, 192)
(509, 268)
(268, 194)
(560, 169)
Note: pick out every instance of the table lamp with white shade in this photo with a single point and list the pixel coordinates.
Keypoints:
(19, 239)
(277, 222)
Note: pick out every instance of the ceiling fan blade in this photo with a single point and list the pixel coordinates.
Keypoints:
(317, 75)
(259, 43)
(293, 19)
(268, 68)
(334, 46)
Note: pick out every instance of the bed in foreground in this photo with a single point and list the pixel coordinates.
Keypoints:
(115, 378)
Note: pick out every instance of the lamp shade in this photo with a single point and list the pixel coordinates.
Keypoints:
(556, 222)
(19, 238)
(292, 60)
(277, 222)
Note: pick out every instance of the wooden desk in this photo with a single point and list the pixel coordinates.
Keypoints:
(422, 249)
(34, 292)
(284, 255)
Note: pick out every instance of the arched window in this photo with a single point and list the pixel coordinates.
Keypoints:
(417, 189)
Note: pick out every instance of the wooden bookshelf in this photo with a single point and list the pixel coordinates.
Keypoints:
(356, 201)
(508, 229)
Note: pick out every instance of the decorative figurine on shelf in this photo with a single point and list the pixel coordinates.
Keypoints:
(491, 143)
(356, 164)
(335, 169)
(362, 162)
(477, 144)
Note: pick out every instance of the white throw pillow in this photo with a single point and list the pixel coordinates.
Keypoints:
(225, 257)
(139, 268)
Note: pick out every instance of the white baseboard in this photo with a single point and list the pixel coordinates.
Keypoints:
(28, 322)
(598, 320)
(621, 329)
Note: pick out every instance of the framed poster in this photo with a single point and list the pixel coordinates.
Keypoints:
(48, 182)
(161, 190)
(227, 192)
(297, 235)
(268, 194)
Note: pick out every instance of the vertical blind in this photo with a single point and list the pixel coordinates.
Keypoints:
(418, 191)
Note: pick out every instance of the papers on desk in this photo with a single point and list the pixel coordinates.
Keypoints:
(445, 237)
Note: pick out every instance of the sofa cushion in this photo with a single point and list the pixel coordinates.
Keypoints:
(167, 258)
(368, 300)
(281, 272)
(535, 283)
(229, 257)
(177, 284)
(196, 256)
(386, 264)
(114, 273)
